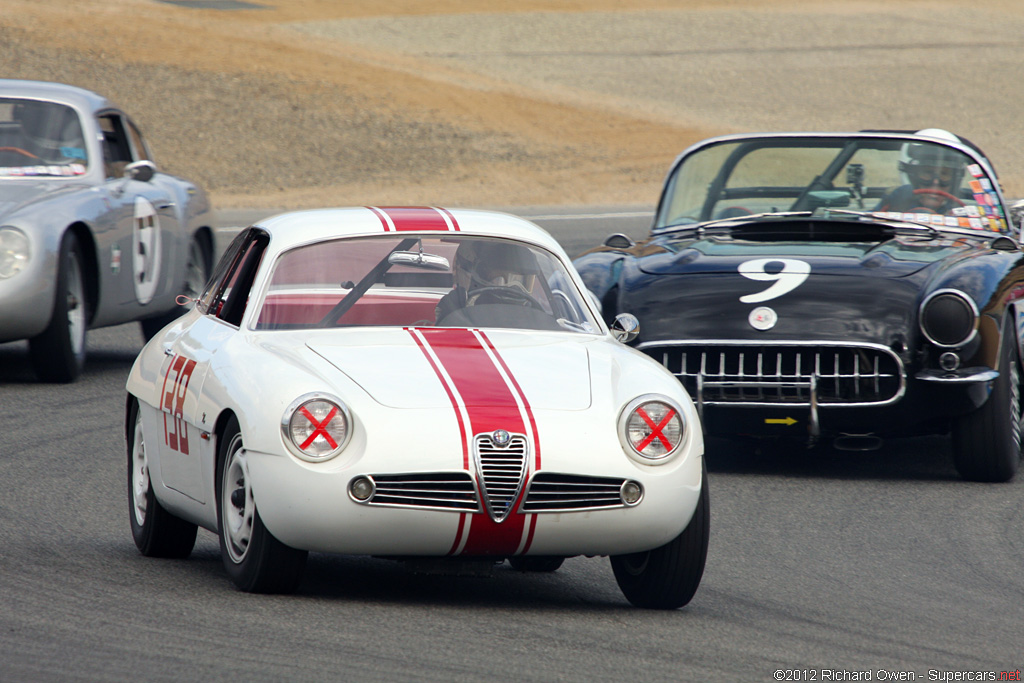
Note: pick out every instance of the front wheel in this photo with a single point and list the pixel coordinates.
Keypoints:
(667, 577)
(157, 533)
(255, 560)
(986, 443)
(58, 353)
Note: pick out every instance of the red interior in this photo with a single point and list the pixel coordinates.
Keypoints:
(371, 309)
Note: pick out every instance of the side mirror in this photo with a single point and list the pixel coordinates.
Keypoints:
(625, 327)
(143, 171)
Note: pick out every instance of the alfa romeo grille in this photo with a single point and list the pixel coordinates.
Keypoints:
(501, 470)
(437, 490)
(814, 374)
(550, 492)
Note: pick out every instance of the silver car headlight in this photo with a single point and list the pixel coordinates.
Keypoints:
(316, 427)
(652, 428)
(14, 251)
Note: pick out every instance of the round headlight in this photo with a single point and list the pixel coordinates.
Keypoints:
(317, 427)
(652, 427)
(949, 318)
(14, 252)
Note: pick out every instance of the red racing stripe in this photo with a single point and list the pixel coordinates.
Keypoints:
(474, 376)
(403, 218)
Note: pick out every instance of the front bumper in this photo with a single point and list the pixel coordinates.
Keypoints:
(309, 507)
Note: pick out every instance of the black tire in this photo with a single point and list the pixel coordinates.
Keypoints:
(986, 443)
(197, 273)
(157, 533)
(58, 353)
(255, 560)
(536, 564)
(668, 577)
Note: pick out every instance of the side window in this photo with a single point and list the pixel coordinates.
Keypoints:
(228, 294)
(117, 151)
(139, 149)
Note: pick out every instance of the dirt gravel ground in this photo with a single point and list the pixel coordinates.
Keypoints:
(301, 103)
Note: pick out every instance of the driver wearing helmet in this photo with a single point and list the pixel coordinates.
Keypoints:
(931, 173)
(489, 272)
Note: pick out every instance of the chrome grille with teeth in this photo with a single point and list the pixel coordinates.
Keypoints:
(501, 470)
(817, 374)
(552, 492)
(436, 490)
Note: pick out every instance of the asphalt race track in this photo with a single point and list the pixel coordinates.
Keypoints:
(823, 564)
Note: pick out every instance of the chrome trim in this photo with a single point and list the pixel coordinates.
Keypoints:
(286, 436)
(627, 411)
(963, 295)
(501, 472)
(558, 492)
(957, 377)
(443, 491)
(770, 380)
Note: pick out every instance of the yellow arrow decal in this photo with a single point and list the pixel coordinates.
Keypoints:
(788, 421)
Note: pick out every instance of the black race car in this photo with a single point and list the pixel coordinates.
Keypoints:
(845, 286)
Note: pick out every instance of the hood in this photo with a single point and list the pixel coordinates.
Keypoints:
(400, 368)
(15, 194)
(710, 287)
(894, 257)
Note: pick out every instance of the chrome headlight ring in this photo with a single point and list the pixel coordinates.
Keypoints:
(948, 318)
(316, 427)
(652, 428)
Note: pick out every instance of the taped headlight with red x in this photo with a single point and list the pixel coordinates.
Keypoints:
(652, 428)
(317, 427)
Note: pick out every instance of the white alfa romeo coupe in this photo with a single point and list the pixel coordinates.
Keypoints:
(419, 384)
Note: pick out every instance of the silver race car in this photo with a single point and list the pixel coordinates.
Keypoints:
(91, 232)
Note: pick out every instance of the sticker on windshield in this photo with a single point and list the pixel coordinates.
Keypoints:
(785, 279)
(145, 250)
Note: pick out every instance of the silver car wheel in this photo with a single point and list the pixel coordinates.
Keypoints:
(237, 507)
(140, 474)
(76, 305)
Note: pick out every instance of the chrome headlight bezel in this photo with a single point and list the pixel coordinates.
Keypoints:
(15, 251)
(325, 430)
(676, 444)
(929, 318)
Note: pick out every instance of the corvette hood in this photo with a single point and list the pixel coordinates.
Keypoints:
(895, 257)
(417, 369)
(711, 288)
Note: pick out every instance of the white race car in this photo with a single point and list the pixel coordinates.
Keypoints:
(421, 384)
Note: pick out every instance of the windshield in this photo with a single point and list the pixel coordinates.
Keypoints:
(916, 179)
(403, 280)
(40, 139)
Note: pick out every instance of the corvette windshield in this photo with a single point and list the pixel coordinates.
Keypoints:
(40, 139)
(909, 179)
(403, 280)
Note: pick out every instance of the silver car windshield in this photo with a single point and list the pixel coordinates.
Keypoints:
(920, 179)
(430, 280)
(40, 138)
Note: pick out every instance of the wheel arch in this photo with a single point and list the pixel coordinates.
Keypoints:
(90, 264)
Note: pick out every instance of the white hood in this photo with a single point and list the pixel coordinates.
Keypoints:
(552, 370)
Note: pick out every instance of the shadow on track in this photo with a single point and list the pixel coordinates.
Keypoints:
(918, 458)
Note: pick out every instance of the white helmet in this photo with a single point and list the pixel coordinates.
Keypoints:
(927, 155)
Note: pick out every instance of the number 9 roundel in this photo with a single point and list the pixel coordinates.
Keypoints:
(792, 275)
